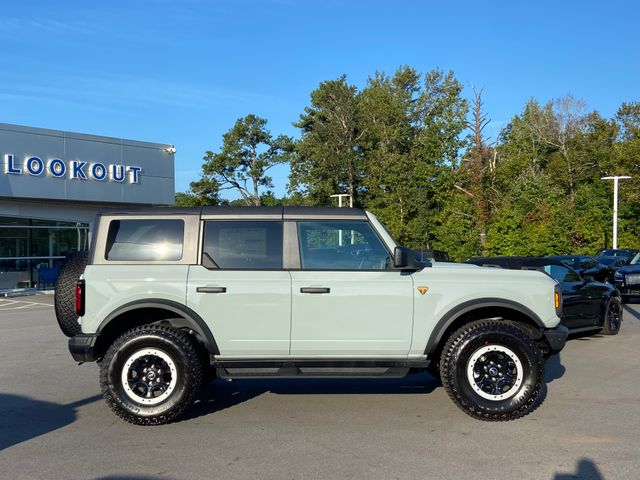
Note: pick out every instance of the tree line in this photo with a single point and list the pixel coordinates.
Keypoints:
(413, 150)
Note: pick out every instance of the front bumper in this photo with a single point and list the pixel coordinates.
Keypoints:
(556, 338)
(82, 347)
(628, 290)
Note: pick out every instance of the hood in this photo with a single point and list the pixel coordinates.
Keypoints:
(468, 272)
(452, 265)
(629, 269)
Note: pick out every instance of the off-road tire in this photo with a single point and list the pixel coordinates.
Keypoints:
(65, 293)
(187, 374)
(612, 317)
(457, 370)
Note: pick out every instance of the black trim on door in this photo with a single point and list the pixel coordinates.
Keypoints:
(315, 290)
(211, 289)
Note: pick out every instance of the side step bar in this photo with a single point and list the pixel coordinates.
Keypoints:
(334, 368)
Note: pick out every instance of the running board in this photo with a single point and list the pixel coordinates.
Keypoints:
(235, 369)
(584, 329)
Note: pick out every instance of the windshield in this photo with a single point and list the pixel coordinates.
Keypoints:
(635, 259)
(386, 236)
(569, 262)
(608, 260)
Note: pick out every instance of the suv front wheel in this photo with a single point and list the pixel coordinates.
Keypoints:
(150, 374)
(492, 370)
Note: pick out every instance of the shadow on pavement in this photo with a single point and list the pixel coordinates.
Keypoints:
(632, 312)
(586, 470)
(125, 476)
(221, 394)
(23, 418)
(585, 336)
(554, 368)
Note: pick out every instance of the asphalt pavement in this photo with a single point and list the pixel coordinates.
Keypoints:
(55, 425)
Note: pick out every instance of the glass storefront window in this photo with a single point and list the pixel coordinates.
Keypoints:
(32, 251)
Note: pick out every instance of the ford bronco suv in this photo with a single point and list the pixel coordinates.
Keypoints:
(169, 298)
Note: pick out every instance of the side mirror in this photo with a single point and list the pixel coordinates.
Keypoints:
(588, 279)
(400, 257)
(405, 259)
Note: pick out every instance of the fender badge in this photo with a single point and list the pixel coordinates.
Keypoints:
(423, 289)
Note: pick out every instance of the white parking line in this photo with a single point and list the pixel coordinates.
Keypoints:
(6, 305)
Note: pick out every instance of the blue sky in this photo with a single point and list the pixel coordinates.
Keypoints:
(182, 71)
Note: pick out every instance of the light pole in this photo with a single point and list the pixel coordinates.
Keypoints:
(340, 196)
(615, 205)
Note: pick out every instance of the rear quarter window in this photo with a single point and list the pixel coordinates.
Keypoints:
(145, 240)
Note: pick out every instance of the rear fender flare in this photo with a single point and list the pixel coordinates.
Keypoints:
(184, 318)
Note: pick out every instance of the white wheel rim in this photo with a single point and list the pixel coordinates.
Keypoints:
(153, 385)
(487, 371)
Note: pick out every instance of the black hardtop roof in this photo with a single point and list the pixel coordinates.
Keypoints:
(282, 212)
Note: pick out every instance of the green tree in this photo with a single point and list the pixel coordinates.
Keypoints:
(205, 191)
(476, 175)
(328, 159)
(531, 219)
(412, 127)
(388, 114)
(248, 152)
(627, 162)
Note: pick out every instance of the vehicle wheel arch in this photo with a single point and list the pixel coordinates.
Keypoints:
(467, 312)
(153, 311)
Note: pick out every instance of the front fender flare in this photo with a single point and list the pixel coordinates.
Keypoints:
(459, 310)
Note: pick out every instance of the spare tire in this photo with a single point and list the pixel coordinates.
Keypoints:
(65, 293)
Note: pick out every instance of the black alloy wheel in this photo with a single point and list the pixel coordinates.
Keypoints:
(493, 370)
(612, 317)
(151, 374)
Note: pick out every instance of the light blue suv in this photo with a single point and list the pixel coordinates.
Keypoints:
(172, 297)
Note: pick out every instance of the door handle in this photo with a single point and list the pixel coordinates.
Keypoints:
(211, 289)
(315, 290)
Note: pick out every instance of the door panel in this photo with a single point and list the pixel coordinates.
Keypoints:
(241, 290)
(248, 312)
(347, 301)
(573, 306)
(593, 294)
(364, 314)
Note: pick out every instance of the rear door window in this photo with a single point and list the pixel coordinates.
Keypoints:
(145, 240)
(242, 245)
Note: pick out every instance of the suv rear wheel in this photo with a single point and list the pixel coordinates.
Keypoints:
(492, 370)
(151, 374)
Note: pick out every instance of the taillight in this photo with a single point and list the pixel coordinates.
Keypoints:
(80, 298)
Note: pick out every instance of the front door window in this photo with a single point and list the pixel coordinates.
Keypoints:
(341, 246)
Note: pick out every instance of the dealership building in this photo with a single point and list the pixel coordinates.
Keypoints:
(52, 184)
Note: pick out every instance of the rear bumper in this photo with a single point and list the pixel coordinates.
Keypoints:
(82, 347)
(556, 338)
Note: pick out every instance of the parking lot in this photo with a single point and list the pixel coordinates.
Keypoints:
(54, 424)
